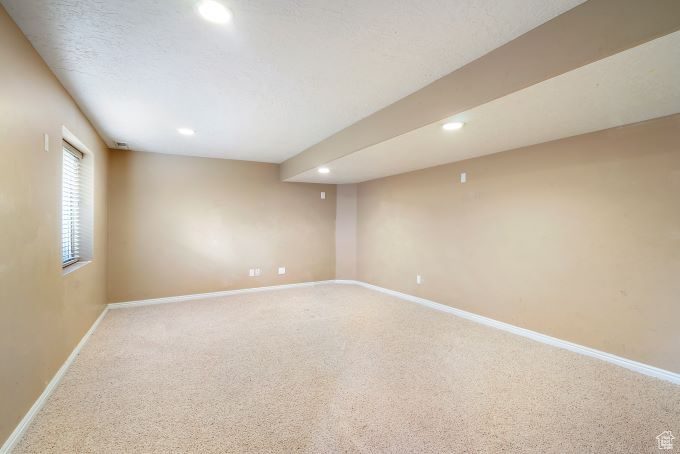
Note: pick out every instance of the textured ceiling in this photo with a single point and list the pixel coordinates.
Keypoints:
(280, 78)
(635, 85)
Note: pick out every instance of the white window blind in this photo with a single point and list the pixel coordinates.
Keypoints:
(70, 205)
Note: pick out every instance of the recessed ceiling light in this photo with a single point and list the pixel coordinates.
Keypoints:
(452, 125)
(186, 131)
(324, 170)
(214, 11)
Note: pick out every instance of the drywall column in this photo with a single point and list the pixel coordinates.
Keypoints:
(346, 232)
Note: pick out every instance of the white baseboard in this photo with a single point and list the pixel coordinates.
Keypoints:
(199, 296)
(19, 431)
(604, 356)
(652, 371)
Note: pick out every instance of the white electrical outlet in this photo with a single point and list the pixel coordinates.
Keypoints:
(463, 177)
(46, 144)
(257, 271)
(323, 195)
(282, 270)
(251, 272)
(419, 279)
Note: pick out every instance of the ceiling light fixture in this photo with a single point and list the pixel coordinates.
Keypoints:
(324, 170)
(452, 125)
(186, 131)
(214, 11)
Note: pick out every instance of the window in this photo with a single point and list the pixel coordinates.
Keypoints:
(71, 203)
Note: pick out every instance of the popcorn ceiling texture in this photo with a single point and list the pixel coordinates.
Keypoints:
(338, 368)
(281, 77)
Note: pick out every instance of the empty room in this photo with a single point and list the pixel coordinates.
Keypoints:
(277, 226)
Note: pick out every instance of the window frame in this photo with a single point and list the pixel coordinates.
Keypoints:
(75, 226)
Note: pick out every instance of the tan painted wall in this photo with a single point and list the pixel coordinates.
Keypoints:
(346, 232)
(43, 314)
(578, 238)
(182, 225)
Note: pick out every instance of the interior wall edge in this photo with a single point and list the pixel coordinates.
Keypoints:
(346, 232)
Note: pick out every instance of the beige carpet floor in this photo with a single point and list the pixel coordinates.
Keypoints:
(339, 368)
